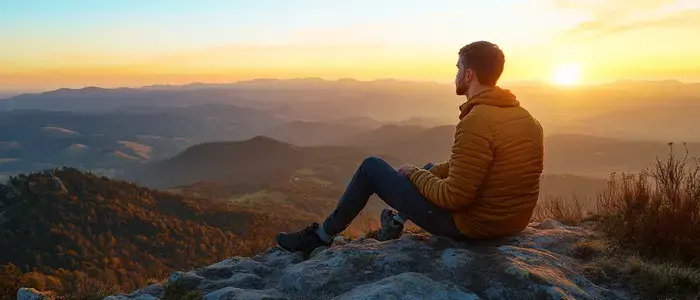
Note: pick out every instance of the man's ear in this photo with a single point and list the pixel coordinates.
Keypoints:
(469, 75)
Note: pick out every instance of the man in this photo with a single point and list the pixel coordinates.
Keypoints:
(488, 188)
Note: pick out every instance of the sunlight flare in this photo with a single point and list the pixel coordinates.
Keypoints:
(566, 74)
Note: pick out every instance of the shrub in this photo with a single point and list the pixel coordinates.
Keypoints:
(10, 281)
(368, 227)
(92, 289)
(259, 236)
(656, 211)
(178, 291)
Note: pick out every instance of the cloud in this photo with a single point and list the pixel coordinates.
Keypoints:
(614, 17)
(601, 28)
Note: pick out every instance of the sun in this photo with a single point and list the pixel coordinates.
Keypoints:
(566, 74)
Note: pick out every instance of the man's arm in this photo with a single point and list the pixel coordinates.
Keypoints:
(440, 170)
(470, 162)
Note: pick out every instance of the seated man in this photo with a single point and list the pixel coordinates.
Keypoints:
(487, 189)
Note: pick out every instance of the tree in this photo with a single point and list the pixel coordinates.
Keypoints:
(10, 277)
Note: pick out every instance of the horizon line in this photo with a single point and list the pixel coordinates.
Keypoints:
(14, 93)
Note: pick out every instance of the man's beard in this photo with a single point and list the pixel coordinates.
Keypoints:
(462, 89)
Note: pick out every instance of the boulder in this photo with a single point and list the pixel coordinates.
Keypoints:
(32, 294)
(532, 265)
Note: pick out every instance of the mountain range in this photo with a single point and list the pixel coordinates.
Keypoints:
(609, 110)
(110, 131)
(113, 143)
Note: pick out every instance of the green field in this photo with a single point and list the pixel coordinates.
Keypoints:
(266, 197)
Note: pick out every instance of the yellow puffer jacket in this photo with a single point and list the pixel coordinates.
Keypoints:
(492, 180)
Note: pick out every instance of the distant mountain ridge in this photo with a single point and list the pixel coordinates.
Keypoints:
(190, 94)
(258, 160)
(587, 109)
(578, 154)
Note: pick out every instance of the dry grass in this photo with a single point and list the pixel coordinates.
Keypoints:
(371, 229)
(368, 226)
(648, 280)
(259, 237)
(656, 211)
(651, 227)
(92, 289)
(589, 249)
(568, 212)
(612, 267)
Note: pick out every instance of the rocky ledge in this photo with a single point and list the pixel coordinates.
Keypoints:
(532, 265)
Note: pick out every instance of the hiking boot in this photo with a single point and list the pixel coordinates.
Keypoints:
(305, 240)
(391, 229)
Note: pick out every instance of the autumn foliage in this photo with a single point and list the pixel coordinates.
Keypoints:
(62, 228)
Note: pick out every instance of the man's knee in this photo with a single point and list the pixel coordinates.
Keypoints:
(373, 161)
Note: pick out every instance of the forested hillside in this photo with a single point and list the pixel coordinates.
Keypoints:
(63, 224)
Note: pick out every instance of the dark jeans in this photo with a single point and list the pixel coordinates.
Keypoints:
(377, 176)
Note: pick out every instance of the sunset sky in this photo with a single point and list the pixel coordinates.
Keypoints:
(46, 45)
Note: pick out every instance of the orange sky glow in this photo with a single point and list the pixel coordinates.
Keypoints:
(607, 41)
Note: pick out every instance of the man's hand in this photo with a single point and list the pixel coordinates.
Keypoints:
(404, 169)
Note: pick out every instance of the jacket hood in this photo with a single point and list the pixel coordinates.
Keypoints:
(494, 97)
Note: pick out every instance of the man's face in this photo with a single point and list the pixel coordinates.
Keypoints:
(462, 79)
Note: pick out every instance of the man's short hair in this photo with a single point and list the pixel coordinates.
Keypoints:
(486, 59)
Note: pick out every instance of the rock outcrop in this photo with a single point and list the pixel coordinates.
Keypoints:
(32, 294)
(532, 265)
